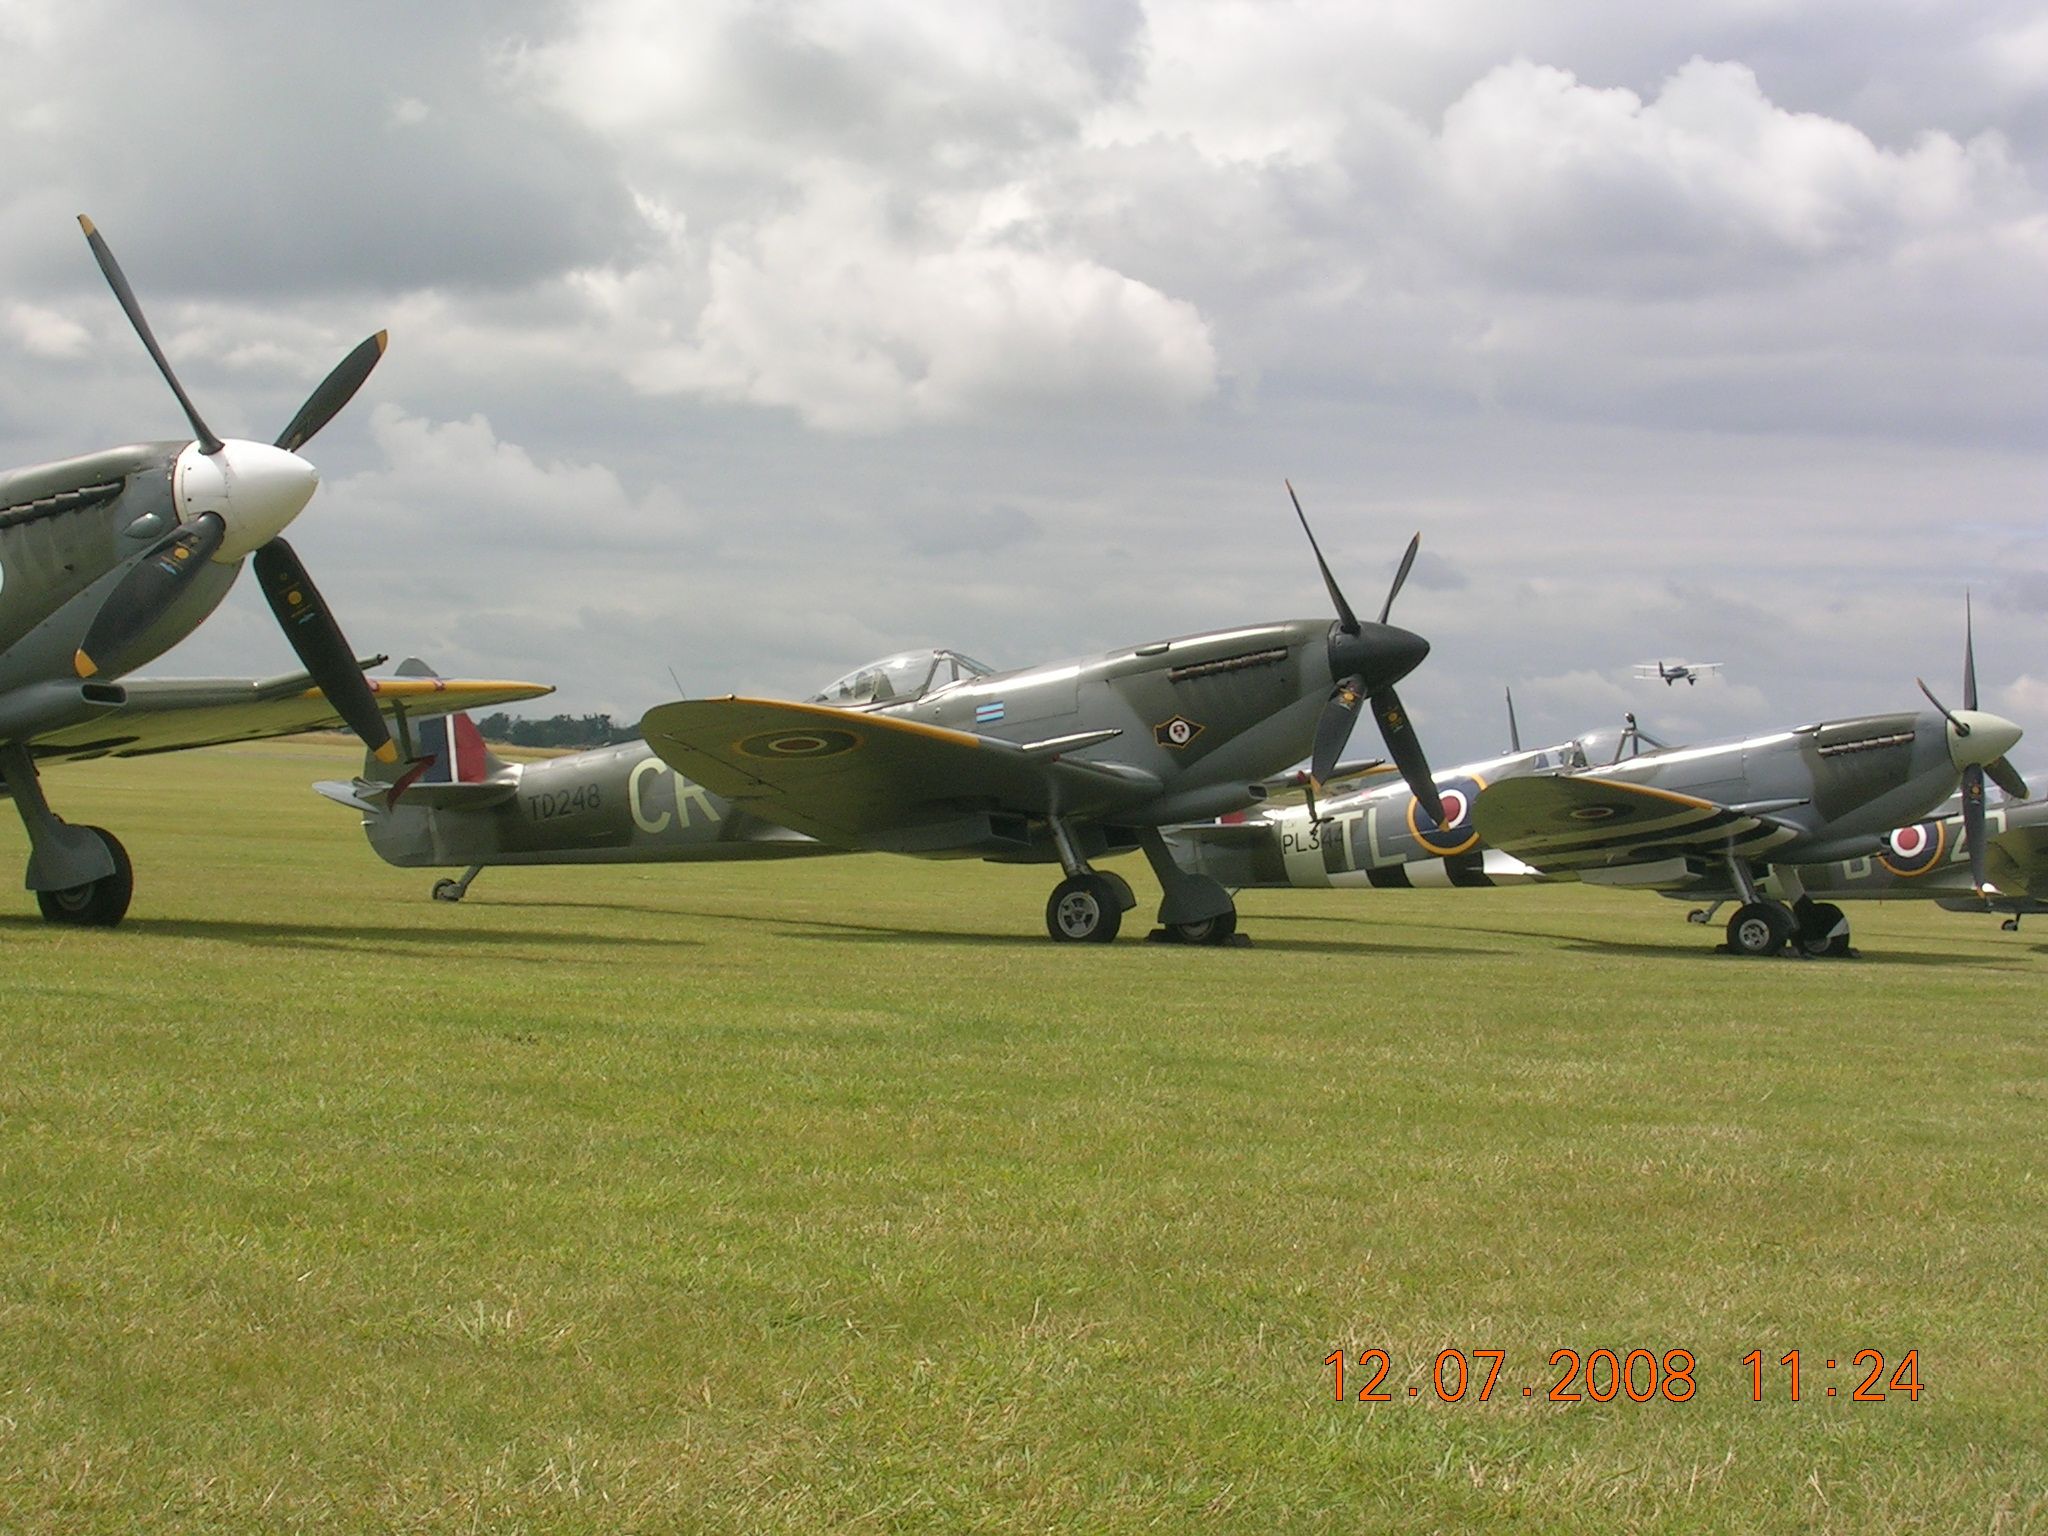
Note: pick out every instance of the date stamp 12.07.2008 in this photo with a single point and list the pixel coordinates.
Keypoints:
(1634, 1375)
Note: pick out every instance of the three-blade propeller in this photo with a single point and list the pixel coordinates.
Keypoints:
(274, 484)
(2000, 770)
(1367, 660)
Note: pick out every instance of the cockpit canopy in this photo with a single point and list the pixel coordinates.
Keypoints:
(1597, 749)
(894, 679)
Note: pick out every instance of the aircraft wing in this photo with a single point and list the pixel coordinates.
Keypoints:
(2017, 861)
(855, 779)
(174, 714)
(1568, 824)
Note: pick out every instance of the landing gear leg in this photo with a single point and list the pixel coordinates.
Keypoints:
(455, 890)
(1705, 914)
(1759, 927)
(80, 875)
(1194, 909)
(1088, 906)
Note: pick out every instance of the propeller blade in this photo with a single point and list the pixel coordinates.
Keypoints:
(1973, 824)
(334, 391)
(1969, 659)
(2007, 777)
(320, 645)
(147, 591)
(1345, 616)
(208, 443)
(1333, 730)
(1401, 576)
(1406, 750)
(1514, 733)
(1961, 727)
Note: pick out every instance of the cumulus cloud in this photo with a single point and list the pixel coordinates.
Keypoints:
(1558, 178)
(857, 326)
(472, 479)
(45, 333)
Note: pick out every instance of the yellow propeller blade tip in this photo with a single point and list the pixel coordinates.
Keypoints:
(86, 224)
(84, 664)
(388, 753)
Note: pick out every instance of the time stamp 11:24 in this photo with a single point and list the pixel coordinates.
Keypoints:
(1639, 1376)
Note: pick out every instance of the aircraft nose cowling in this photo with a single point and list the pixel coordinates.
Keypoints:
(254, 488)
(1977, 739)
(1379, 653)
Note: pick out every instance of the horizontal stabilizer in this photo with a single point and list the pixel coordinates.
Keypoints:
(368, 795)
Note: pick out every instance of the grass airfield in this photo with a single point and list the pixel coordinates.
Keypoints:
(834, 1196)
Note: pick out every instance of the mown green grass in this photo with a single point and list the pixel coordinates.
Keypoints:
(833, 1196)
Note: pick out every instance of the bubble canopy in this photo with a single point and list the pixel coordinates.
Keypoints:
(894, 679)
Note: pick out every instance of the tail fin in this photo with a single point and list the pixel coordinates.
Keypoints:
(442, 761)
(439, 749)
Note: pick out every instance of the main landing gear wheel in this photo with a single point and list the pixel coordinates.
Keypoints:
(1823, 929)
(1759, 928)
(1210, 930)
(98, 903)
(1083, 909)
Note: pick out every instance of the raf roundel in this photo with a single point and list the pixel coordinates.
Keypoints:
(1457, 834)
(805, 744)
(1176, 733)
(1914, 850)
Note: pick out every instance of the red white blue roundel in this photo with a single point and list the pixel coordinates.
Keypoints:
(1457, 835)
(1914, 850)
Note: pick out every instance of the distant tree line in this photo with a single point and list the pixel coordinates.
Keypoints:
(556, 731)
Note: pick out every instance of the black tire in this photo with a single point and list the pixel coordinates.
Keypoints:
(98, 903)
(1759, 928)
(448, 890)
(1210, 930)
(1823, 929)
(1083, 909)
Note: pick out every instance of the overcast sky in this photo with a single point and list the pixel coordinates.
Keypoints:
(753, 340)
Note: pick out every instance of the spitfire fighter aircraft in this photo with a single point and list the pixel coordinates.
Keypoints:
(1770, 821)
(933, 754)
(1687, 672)
(108, 560)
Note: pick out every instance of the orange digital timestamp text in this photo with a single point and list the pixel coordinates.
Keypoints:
(1457, 1375)
(1606, 1376)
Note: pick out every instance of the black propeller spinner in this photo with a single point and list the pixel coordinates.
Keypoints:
(1367, 660)
(2001, 771)
(154, 583)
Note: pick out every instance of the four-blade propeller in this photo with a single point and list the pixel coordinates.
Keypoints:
(2000, 768)
(250, 491)
(1367, 660)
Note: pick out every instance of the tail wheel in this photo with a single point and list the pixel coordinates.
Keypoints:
(1759, 928)
(1083, 909)
(98, 903)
